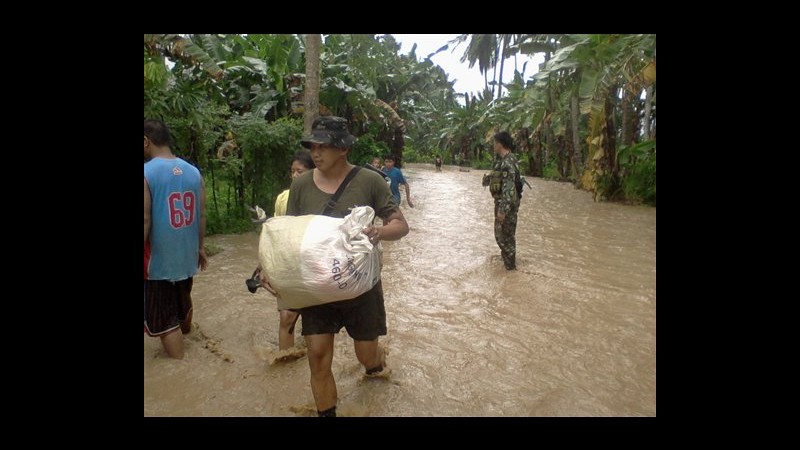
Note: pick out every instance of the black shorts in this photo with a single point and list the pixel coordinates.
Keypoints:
(364, 317)
(166, 305)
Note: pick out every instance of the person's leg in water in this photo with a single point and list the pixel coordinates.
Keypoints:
(168, 303)
(504, 235)
(183, 290)
(173, 343)
(286, 329)
(510, 240)
(365, 324)
(498, 233)
(371, 355)
(323, 385)
(186, 325)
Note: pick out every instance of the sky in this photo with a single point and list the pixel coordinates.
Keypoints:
(467, 80)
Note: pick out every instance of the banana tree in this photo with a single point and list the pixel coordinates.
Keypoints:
(604, 63)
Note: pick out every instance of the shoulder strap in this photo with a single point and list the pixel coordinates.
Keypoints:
(376, 170)
(335, 197)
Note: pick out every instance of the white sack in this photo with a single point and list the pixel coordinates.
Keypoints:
(312, 259)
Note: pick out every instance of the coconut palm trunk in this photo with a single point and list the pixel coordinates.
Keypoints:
(311, 93)
(502, 63)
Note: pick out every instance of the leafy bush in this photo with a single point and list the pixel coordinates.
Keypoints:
(522, 159)
(638, 168)
(485, 161)
(639, 183)
(367, 148)
(266, 154)
(411, 156)
(550, 171)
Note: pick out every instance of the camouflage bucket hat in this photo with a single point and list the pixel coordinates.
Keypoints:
(329, 130)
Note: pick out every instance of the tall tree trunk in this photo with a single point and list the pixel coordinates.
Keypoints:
(650, 80)
(601, 176)
(542, 135)
(611, 137)
(502, 62)
(628, 118)
(311, 93)
(549, 109)
(213, 187)
(577, 149)
(608, 162)
(239, 193)
(559, 143)
(648, 108)
(399, 142)
(494, 69)
(568, 152)
(396, 140)
(536, 164)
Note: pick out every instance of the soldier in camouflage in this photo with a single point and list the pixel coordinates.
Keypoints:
(503, 182)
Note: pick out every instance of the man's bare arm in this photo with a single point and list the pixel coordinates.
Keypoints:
(394, 227)
(202, 261)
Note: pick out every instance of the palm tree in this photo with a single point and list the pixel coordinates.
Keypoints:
(505, 38)
(482, 48)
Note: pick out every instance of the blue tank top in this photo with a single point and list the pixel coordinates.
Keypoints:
(397, 179)
(175, 190)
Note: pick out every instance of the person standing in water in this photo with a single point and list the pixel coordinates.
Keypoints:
(397, 179)
(503, 186)
(301, 162)
(364, 317)
(174, 230)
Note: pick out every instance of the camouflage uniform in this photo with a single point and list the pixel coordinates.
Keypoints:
(505, 173)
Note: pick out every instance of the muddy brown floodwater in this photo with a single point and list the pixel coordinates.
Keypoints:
(572, 332)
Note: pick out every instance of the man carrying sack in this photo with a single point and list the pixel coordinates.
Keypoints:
(332, 189)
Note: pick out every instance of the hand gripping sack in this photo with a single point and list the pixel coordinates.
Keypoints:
(313, 259)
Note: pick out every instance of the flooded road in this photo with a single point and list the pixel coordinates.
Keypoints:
(572, 332)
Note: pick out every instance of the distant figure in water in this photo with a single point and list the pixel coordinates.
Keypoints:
(438, 162)
(397, 179)
(174, 229)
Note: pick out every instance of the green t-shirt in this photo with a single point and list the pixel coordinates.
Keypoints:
(367, 188)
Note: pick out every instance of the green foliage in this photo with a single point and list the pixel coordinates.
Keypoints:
(606, 187)
(550, 171)
(246, 85)
(484, 162)
(218, 223)
(410, 155)
(367, 148)
(522, 159)
(638, 164)
(266, 155)
(223, 215)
